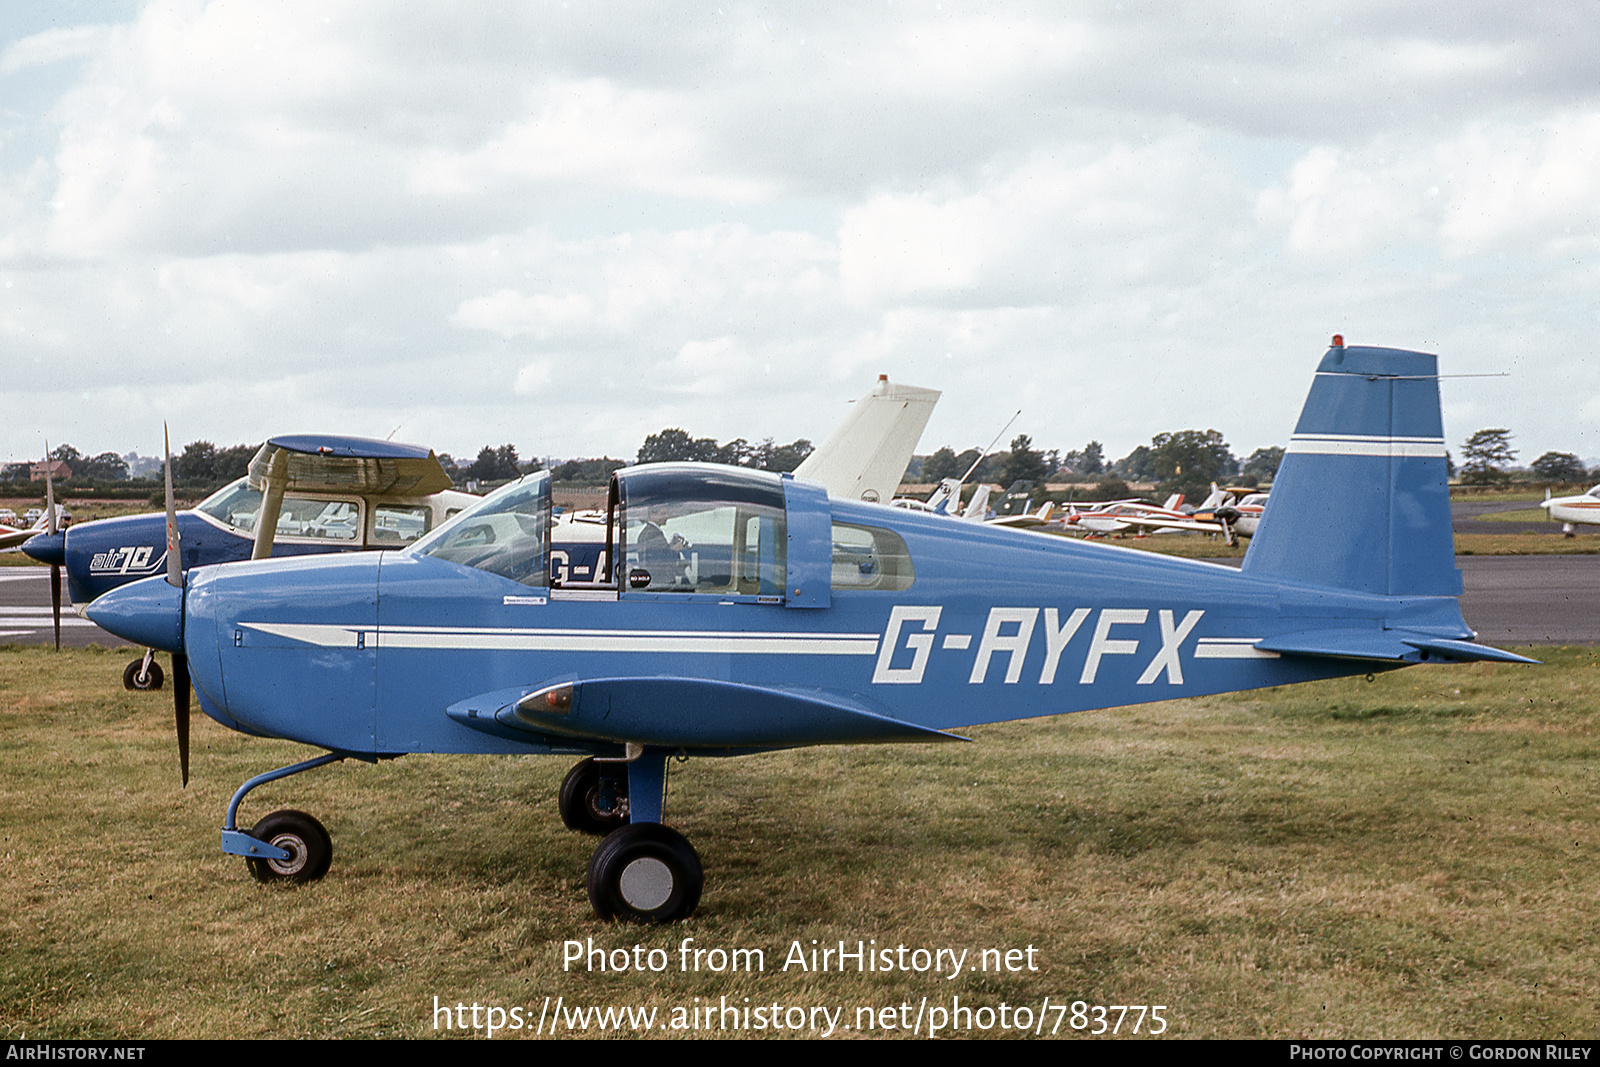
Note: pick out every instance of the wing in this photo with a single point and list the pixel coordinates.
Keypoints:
(327, 463)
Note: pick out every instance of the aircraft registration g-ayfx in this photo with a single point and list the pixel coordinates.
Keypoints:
(806, 621)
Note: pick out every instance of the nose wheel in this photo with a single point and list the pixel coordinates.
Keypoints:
(306, 841)
(143, 674)
(645, 873)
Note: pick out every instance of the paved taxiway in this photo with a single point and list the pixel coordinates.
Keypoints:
(1510, 600)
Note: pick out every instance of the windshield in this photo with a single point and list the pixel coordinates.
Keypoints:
(507, 533)
(235, 504)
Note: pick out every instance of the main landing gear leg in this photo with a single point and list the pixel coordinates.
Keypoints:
(645, 872)
(286, 845)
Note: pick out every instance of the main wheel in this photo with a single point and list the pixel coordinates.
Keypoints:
(580, 801)
(304, 838)
(645, 873)
(134, 676)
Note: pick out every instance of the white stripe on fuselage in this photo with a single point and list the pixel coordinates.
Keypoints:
(505, 638)
(912, 633)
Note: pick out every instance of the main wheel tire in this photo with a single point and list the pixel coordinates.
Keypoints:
(645, 873)
(152, 678)
(303, 837)
(579, 801)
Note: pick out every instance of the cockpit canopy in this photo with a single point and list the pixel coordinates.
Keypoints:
(675, 529)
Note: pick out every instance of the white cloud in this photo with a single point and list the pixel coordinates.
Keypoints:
(346, 215)
(510, 313)
(594, 133)
(54, 46)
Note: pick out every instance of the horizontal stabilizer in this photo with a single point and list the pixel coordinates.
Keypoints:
(688, 713)
(1400, 646)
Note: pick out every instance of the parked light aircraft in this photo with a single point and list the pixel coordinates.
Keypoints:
(803, 620)
(1118, 515)
(1240, 517)
(16, 536)
(1570, 511)
(320, 493)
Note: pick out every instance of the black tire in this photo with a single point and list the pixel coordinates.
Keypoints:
(152, 679)
(579, 801)
(645, 873)
(304, 838)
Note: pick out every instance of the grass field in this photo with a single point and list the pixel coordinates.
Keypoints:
(1409, 857)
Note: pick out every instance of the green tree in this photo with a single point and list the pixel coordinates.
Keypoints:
(1092, 460)
(1485, 456)
(1263, 464)
(1560, 468)
(198, 463)
(106, 467)
(782, 458)
(1023, 463)
(674, 445)
(1189, 461)
(495, 464)
(941, 465)
(586, 471)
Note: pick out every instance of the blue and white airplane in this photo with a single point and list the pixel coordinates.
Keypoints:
(318, 492)
(801, 620)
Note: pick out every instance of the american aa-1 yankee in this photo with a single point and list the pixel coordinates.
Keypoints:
(800, 619)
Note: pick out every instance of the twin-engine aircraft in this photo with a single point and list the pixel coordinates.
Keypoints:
(752, 612)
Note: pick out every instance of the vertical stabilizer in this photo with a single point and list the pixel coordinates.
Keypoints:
(1362, 498)
(866, 456)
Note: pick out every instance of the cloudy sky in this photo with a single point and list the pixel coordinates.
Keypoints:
(568, 224)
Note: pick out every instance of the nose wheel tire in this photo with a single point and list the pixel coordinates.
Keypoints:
(304, 838)
(645, 873)
(581, 802)
(134, 676)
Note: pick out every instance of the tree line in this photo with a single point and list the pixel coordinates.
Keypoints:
(1185, 461)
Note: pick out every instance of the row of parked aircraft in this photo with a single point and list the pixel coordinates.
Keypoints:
(749, 612)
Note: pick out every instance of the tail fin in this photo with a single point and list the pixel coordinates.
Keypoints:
(978, 506)
(866, 455)
(947, 491)
(1362, 499)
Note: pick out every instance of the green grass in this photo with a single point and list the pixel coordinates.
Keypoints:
(1522, 515)
(1526, 544)
(1410, 857)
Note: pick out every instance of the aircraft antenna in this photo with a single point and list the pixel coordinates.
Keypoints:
(986, 451)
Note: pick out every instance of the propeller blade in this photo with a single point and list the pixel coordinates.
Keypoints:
(174, 559)
(55, 600)
(50, 527)
(180, 707)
